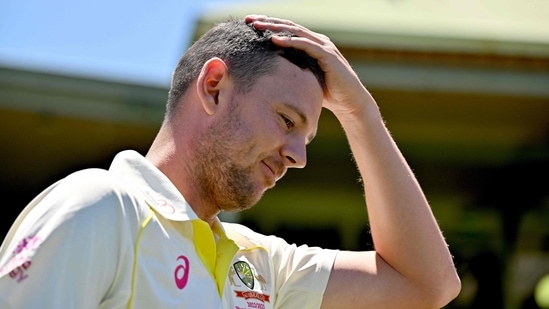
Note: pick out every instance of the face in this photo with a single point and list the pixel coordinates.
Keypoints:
(256, 136)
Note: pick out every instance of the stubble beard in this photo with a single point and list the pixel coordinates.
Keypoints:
(221, 181)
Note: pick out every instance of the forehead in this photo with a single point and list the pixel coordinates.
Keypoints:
(291, 86)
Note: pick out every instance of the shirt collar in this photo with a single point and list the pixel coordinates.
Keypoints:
(159, 192)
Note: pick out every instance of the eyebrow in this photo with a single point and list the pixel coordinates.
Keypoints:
(302, 117)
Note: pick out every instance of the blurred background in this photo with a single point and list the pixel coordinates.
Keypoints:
(463, 86)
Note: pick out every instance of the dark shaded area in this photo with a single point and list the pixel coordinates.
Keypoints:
(328, 237)
(486, 267)
(511, 190)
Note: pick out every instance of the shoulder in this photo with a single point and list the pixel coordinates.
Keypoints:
(90, 207)
(89, 198)
(93, 182)
(277, 246)
(246, 237)
(80, 231)
(92, 187)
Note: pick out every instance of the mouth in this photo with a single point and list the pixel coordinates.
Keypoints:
(270, 169)
(276, 171)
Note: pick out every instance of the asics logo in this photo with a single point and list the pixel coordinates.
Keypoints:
(181, 273)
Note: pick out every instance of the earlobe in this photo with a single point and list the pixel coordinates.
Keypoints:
(210, 83)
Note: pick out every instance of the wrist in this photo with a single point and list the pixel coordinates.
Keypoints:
(363, 108)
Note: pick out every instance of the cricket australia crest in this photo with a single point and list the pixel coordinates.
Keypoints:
(245, 273)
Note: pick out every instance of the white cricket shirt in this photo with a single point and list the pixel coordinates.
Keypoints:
(126, 238)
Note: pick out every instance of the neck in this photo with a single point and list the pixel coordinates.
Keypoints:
(173, 161)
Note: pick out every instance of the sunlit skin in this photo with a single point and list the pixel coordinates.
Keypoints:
(244, 142)
(261, 134)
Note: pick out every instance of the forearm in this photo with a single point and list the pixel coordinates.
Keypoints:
(404, 231)
(412, 267)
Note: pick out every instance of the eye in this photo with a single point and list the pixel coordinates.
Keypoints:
(287, 121)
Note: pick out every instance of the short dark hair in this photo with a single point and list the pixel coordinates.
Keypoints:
(248, 53)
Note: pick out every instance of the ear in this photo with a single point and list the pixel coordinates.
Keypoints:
(210, 82)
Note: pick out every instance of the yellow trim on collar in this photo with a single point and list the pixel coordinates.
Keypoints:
(216, 256)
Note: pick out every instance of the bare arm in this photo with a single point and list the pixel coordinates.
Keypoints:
(411, 266)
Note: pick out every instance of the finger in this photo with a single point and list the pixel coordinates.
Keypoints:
(324, 44)
(292, 28)
(320, 51)
(277, 24)
(274, 23)
(265, 18)
(312, 48)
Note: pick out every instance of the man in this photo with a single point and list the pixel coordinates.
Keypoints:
(244, 102)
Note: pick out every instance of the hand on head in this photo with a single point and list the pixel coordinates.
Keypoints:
(345, 91)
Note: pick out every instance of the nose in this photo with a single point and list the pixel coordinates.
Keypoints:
(295, 154)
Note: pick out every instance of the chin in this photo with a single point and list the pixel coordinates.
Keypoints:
(269, 184)
(242, 202)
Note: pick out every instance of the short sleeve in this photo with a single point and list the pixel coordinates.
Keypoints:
(72, 248)
(301, 272)
(303, 275)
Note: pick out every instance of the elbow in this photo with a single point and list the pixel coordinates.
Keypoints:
(454, 288)
(437, 292)
(445, 290)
